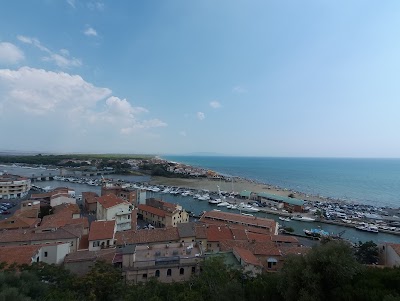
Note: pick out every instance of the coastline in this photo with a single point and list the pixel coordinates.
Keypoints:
(236, 185)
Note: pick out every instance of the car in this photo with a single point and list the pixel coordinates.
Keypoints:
(6, 212)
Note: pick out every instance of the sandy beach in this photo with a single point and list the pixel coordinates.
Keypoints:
(237, 185)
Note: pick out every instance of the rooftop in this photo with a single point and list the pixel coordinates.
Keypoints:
(110, 200)
(147, 236)
(18, 254)
(100, 230)
(152, 210)
(247, 256)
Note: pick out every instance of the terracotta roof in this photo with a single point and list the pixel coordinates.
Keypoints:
(28, 212)
(396, 248)
(19, 222)
(79, 256)
(296, 250)
(284, 238)
(201, 231)
(186, 229)
(152, 210)
(268, 249)
(247, 256)
(257, 248)
(18, 254)
(234, 218)
(238, 233)
(147, 236)
(218, 233)
(237, 226)
(63, 216)
(29, 235)
(90, 197)
(102, 230)
(257, 237)
(110, 200)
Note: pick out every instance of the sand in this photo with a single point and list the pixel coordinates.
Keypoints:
(238, 185)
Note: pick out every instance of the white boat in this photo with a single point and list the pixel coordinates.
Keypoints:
(247, 208)
(214, 202)
(303, 218)
(368, 228)
(247, 214)
(285, 219)
(223, 204)
(204, 197)
(166, 190)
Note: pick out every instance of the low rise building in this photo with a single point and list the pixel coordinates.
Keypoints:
(122, 191)
(12, 186)
(250, 263)
(173, 262)
(390, 254)
(111, 207)
(81, 262)
(102, 235)
(89, 199)
(162, 214)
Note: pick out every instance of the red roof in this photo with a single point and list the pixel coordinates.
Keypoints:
(110, 200)
(218, 233)
(18, 254)
(152, 210)
(147, 236)
(257, 237)
(100, 230)
(247, 256)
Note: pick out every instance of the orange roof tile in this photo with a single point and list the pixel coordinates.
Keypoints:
(218, 233)
(234, 218)
(147, 236)
(100, 230)
(258, 237)
(18, 254)
(152, 210)
(90, 197)
(110, 200)
(80, 256)
(284, 239)
(18, 222)
(247, 256)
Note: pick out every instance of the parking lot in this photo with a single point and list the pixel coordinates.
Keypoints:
(7, 208)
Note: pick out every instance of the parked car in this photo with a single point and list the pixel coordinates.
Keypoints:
(6, 212)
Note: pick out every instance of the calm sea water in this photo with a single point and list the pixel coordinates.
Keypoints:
(370, 181)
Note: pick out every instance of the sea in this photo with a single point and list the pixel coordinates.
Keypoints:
(369, 181)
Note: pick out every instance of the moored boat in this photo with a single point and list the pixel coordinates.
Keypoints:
(303, 218)
(285, 219)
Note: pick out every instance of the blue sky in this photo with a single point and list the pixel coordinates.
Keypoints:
(263, 78)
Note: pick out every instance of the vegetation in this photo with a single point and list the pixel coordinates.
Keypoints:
(327, 272)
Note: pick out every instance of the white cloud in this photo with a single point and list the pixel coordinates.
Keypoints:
(71, 3)
(200, 116)
(239, 89)
(61, 59)
(70, 100)
(96, 5)
(90, 31)
(10, 54)
(183, 133)
(215, 104)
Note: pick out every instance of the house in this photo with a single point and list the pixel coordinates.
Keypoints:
(162, 214)
(55, 197)
(250, 263)
(124, 192)
(89, 199)
(111, 207)
(81, 262)
(19, 221)
(70, 234)
(58, 198)
(172, 262)
(101, 235)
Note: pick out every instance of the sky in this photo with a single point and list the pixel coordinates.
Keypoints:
(288, 78)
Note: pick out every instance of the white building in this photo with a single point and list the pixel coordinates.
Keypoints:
(12, 186)
(111, 207)
(101, 235)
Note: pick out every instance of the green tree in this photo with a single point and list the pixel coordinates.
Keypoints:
(367, 252)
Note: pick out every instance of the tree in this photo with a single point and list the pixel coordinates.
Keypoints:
(320, 274)
(367, 252)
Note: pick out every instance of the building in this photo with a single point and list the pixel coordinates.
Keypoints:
(157, 235)
(250, 263)
(390, 254)
(124, 192)
(162, 214)
(70, 234)
(279, 201)
(89, 199)
(173, 262)
(252, 222)
(81, 262)
(55, 197)
(101, 235)
(111, 207)
(12, 186)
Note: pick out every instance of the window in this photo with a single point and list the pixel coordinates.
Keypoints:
(169, 272)
(181, 271)
(72, 243)
(45, 254)
(144, 276)
(157, 273)
(271, 262)
(193, 270)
